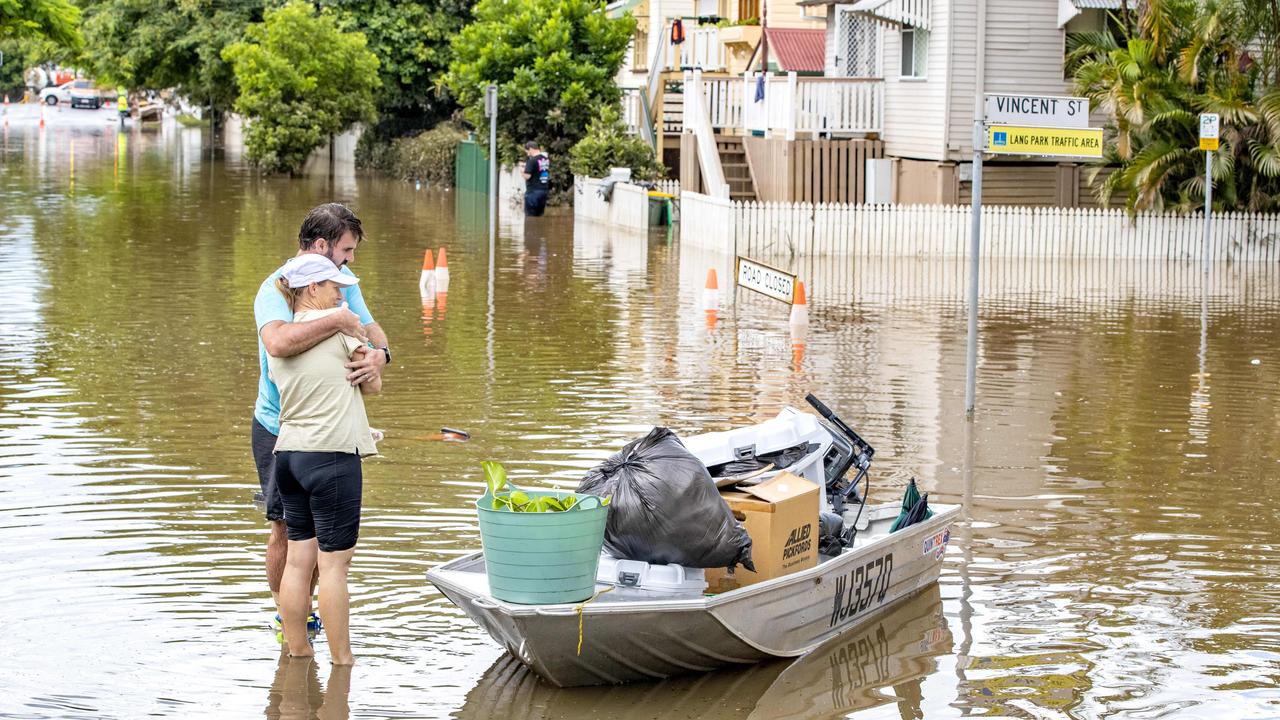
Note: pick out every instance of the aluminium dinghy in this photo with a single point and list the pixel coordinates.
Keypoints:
(651, 622)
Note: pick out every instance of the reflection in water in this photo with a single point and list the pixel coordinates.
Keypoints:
(296, 693)
(1118, 548)
(844, 675)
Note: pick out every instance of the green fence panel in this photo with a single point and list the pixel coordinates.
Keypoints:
(472, 168)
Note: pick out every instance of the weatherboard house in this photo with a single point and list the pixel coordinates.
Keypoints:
(936, 57)
(901, 82)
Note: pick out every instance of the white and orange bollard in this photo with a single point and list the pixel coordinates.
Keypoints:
(42, 115)
(428, 277)
(442, 272)
(799, 306)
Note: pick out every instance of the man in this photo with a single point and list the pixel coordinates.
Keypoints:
(333, 231)
(537, 180)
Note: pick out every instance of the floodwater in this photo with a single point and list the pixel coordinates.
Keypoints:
(1118, 555)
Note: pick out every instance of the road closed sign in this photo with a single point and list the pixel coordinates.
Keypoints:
(1209, 131)
(1047, 142)
(765, 280)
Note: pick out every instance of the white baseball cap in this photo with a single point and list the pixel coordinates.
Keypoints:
(310, 268)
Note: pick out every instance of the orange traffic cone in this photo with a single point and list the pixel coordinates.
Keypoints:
(442, 272)
(799, 333)
(441, 299)
(712, 317)
(711, 292)
(799, 308)
(428, 274)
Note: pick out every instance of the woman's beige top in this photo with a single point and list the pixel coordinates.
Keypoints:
(319, 410)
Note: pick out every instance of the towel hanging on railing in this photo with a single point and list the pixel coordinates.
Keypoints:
(677, 31)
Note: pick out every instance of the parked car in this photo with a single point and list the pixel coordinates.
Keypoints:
(79, 93)
(57, 93)
(84, 94)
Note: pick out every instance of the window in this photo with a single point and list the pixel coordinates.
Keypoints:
(640, 48)
(748, 9)
(915, 51)
(857, 45)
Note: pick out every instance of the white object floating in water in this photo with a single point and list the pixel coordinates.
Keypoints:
(1255, 361)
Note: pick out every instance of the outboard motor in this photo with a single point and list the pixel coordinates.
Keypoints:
(848, 450)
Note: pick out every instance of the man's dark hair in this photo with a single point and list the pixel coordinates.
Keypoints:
(532, 145)
(329, 221)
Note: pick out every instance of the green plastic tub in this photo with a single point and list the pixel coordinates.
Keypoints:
(545, 557)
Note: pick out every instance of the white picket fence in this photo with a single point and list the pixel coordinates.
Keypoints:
(805, 229)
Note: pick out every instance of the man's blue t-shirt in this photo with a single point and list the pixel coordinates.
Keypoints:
(270, 305)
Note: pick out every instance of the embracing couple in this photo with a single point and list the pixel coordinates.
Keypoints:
(320, 352)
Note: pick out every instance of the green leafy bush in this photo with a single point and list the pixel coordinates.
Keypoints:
(554, 62)
(428, 156)
(301, 81)
(607, 145)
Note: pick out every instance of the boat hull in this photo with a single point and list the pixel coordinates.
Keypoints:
(621, 637)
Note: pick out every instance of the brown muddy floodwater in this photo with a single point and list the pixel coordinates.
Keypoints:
(1118, 555)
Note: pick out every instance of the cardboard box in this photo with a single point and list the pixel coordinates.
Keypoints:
(781, 516)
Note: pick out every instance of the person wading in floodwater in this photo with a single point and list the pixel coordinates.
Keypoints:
(332, 231)
(324, 432)
(537, 180)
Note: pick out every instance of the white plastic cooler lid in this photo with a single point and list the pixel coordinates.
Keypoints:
(790, 428)
(659, 579)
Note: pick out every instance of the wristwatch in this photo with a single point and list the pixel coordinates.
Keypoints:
(386, 351)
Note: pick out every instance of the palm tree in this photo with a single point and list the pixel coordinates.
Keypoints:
(1181, 59)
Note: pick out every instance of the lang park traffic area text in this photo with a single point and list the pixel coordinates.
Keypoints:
(1064, 142)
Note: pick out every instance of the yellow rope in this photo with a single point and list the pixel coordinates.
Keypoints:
(579, 609)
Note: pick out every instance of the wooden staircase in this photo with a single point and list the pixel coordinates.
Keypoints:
(733, 158)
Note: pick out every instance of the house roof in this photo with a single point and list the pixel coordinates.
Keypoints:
(895, 12)
(798, 50)
(618, 8)
(1068, 9)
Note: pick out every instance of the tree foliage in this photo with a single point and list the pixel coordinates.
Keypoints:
(301, 80)
(55, 20)
(1153, 76)
(607, 145)
(21, 53)
(168, 44)
(411, 40)
(554, 62)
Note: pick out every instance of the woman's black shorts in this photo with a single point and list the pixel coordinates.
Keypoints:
(321, 492)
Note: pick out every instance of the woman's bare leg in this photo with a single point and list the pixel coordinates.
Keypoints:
(335, 604)
(295, 595)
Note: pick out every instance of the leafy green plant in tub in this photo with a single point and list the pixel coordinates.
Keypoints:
(510, 498)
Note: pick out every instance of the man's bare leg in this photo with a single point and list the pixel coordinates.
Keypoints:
(277, 552)
(295, 595)
(335, 604)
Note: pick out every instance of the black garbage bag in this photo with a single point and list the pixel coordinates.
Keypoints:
(665, 507)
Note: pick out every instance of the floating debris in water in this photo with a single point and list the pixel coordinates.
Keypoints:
(1255, 361)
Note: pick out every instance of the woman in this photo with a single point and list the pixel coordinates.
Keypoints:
(323, 434)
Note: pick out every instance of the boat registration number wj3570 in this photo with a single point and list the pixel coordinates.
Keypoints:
(856, 590)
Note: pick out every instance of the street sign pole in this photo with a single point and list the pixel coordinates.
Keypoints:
(491, 109)
(1208, 211)
(1209, 132)
(975, 243)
